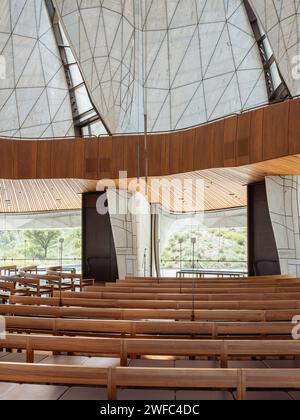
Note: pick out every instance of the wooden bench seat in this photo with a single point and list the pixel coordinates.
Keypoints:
(214, 291)
(241, 380)
(59, 284)
(77, 280)
(125, 295)
(212, 279)
(26, 286)
(32, 269)
(123, 348)
(77, 301)
(201, 285)
(8, 270)
(153, 328)
(148, 314)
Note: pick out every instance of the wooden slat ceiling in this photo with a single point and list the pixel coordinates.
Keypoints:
(25, 196)
(224, 188)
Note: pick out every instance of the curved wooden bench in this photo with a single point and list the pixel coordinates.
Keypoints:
(113, 378)
(75, 299)
(144, 314)
(159, 329)
(123, 348)
(186, 290)
(125, 295)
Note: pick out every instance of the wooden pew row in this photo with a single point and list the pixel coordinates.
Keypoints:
(223, 350)
(92, 293)
(59, 268)
(82, 327)
(9, 289)
(39, 284)
(10, 269)
(53, 374)
(58, 283)
(213, 279)
(34, 287)
(113, 378)
(183, 289)
(76, 300)
(33, 269)
(77, 279)
(146, 314)
(200, 283)
(239, 379)
(291, 284)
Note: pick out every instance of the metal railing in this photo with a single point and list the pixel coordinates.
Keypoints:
(48, 262)
(177, 264)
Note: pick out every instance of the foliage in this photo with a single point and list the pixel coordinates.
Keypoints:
(215, 248)
(42, 240)
(39, 245)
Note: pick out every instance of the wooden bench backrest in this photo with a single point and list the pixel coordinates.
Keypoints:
(51, 374)
(140, 314)
(133, 328)
(141, 347)
(112, 378)
(219, 280)
(270, 289)
(76, 300)
(201, 283)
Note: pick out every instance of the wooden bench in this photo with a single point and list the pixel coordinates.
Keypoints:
(78, 281)
(239, 379)
(60, 269)
(215, 279)
(125, 295)
(32, 287)
(158, 329)
(114, 378)
(265, 289)
(8, 270)
(33, 269)
(53, 374)
(146, 314)
(59, 284)
(76, 300)
(123, 348)
(7, 290)
(214, 284)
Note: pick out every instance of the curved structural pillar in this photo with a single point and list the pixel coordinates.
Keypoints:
(131, 226)
(283, 194)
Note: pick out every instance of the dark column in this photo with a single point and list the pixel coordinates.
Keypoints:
(99, 259)
(263, 256)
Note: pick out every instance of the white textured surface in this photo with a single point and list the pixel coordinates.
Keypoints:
(280, 20)
(198, 60)
(131, 232)
(283, 199)
(34, 97)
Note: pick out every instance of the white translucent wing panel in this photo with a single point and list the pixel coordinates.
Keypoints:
(34, 97)
(280, 20)
(103, 41)
(198, 60)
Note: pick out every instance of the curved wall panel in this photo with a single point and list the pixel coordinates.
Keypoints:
(198, 60)
(256, 136)
(280, 20)
(34, 96)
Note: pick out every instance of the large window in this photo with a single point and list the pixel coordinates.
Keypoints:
(213, 241)
(45, 239)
